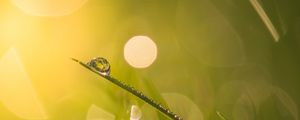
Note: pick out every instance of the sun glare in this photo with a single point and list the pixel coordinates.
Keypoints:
(49, 7)
(16, 91)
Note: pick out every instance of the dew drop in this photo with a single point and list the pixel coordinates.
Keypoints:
(100, 64)
(160, 106)
(168, 111)
(178, 117)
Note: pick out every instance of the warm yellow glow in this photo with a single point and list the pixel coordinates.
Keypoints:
(96, 113)
(45, 44)
(140, 51)
(49, 7)
(16, 91)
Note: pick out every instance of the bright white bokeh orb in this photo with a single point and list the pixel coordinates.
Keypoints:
(49, 7)
(140, 51)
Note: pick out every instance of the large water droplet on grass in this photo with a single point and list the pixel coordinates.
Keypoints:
(100, 64)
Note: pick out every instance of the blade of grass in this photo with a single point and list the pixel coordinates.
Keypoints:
(154, 92)
(221, 115)
(134, 91)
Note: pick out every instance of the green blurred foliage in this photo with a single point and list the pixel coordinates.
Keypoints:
(218, 54)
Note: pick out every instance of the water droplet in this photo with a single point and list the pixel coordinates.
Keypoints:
(100, 64)
(178, 117)
(168, 111)
(135, 113)
(160, 106)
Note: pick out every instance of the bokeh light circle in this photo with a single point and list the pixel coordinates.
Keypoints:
(140, 51)
(49, 7)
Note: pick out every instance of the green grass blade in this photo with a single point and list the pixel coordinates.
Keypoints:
(134, 91)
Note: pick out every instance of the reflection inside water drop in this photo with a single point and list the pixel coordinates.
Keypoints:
(100, 64)
(135, 113)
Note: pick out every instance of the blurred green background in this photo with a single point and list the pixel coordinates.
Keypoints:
(236, 58)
